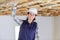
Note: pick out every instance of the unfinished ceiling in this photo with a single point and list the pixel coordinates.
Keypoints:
(45, 7)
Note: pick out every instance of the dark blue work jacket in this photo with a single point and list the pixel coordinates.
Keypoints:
(27, 31)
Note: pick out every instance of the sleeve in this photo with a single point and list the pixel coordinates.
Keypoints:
(15, 18)
(37, 36)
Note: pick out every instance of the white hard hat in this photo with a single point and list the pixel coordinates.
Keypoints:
(33, 10)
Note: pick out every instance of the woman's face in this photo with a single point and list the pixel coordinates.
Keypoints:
(31, 16)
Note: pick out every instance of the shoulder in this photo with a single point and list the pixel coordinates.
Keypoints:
(24, 21)
(35, 23)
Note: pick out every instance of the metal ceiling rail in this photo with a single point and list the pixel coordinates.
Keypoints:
(29, 3)
(4, 10)
(50, 7)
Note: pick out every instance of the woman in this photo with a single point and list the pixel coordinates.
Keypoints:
(28, 26)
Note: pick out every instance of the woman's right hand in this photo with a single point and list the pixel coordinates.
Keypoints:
(13, 11)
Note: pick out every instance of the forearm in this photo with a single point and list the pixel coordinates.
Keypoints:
(15, 18)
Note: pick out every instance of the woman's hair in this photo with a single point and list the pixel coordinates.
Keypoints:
(28, 13)
(33, 19)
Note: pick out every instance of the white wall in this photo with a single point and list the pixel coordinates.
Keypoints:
(45, 24)
(7, 28)
(57, 28)
(46, 28)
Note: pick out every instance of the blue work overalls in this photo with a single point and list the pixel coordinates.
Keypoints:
(27, 31)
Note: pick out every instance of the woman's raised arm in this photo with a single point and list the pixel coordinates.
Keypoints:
(16, 19)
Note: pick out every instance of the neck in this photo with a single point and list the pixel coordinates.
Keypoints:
(30, 21)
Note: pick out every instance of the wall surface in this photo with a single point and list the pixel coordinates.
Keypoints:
(46, 28)
(57, 28)
(7, 28)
